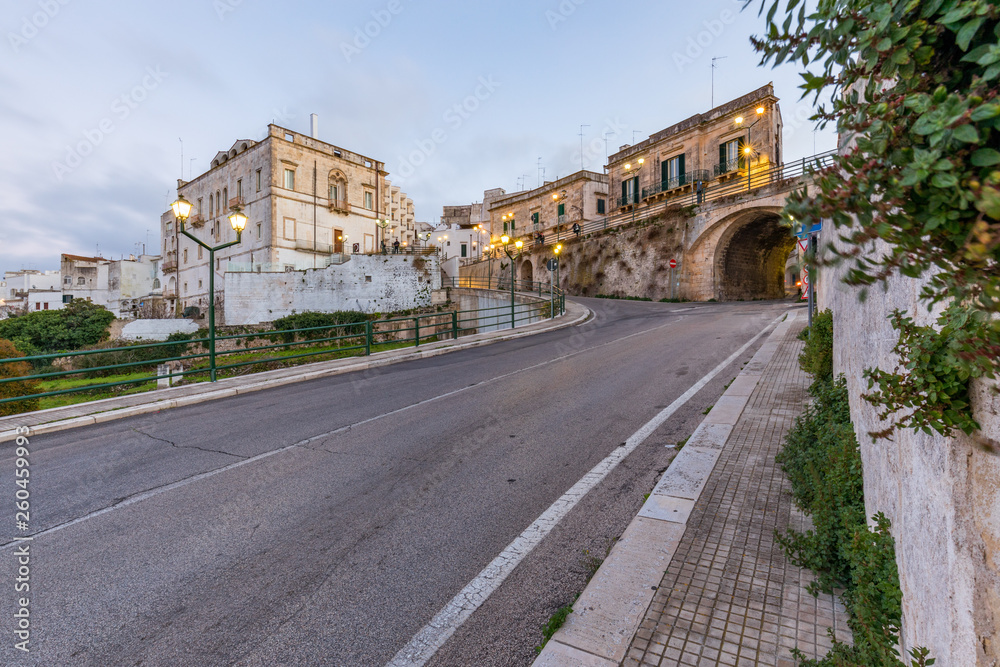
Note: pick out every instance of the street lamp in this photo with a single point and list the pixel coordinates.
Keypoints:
(748, 150)
(505, 240)
(182, 210)
(383, 224)
(557, 250)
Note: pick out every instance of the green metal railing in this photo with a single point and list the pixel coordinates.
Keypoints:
(194, 357)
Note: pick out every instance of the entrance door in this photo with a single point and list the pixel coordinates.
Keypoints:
(338, 240)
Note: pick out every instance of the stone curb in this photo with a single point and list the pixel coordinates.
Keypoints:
(106, 410)
(611, 607)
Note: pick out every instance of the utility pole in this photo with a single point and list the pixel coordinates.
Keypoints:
(581, 146)
(714, 66)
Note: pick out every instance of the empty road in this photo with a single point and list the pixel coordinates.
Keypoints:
(327, 522)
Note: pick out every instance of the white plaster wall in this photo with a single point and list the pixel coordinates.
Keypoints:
(366, 283)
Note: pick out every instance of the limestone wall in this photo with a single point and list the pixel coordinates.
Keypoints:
(367, 283)
(942, 495)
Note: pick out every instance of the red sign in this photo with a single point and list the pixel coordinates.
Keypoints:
(673, 264)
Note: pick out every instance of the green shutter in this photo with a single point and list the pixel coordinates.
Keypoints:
(739, 151)
(624, 192)
(722, 158)
(505, 228)
(562, 209)
(665, 174)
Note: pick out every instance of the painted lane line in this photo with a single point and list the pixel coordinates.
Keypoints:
(422, 647)
(151, 493)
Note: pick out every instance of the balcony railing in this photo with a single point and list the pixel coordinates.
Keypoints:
(236, 202)
(628, 200)
(196, 220)
(170, 293)
(340, 205)
(729, 167)
(690, 178)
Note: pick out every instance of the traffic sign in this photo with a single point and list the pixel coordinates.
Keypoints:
(803, 233)
(552, 264)
(673, 263)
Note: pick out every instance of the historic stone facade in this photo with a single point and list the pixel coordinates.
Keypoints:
(306, 201)
(552, 209)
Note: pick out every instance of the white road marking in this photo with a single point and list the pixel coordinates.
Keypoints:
(151, 493)
(426, 643)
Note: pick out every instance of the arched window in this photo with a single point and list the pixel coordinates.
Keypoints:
(337, 191)
(225, 199)
(211, 205)
(156, 283)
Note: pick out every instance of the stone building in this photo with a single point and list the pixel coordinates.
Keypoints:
(401, 218)
(128, 288)
(465, 230)
(552, 209)
(729, 142)
(308, 204)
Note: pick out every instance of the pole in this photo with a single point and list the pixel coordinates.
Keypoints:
(513, 320)
(211, 313)
(812, 278)
(671, 283)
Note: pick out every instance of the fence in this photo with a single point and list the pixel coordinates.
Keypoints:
(193, 357)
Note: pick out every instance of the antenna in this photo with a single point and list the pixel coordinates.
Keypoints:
(539, 173)
(714, 66)
(581, 146)
(182, 156)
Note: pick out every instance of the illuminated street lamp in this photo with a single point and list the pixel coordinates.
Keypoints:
(182, 210)
(557, 250)
(748, 150)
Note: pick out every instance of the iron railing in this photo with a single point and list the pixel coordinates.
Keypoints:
(147, 363)
(690, 178)
(729, 166)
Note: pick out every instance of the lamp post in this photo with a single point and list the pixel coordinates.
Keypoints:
(632, 170)
(505, 240)
(182, 210)
(383, 224)
(489, 278)
(748, 147)
(557, 250)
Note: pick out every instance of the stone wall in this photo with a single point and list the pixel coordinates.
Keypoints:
(941, 494)
(367, 283)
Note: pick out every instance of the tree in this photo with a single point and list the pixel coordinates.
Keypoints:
(914, 84)
(79, 324)
(14, 389)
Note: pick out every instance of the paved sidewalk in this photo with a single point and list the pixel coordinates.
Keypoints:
(728, 595)
(94, 412)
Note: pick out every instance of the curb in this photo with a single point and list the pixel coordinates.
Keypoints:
(105, 411)
(607, 614)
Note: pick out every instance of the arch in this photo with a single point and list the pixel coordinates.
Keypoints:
(527, 271)
(232, 152)
(751, 256)
(337, 189)
(243, 146)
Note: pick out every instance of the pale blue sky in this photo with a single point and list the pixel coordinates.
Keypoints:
(96, 95)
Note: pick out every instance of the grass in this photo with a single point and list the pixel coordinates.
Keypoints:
(680, 443)
(68, 382)
(555, 622)
(708, 409)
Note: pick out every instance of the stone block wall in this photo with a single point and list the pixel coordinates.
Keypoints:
(366, 283)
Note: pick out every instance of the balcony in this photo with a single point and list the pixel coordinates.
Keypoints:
(170, 293)
(676, 185)
(196, 220)
(340, 206)
(730, 168)
(236, 202)
(170, 262)
(628, 200)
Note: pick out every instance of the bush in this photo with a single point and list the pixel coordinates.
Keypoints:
(817, 357)
(76, 326)
(310, 320)
(125, 352)
(17, 388)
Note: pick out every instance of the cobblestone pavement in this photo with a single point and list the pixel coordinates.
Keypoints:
(729, 596)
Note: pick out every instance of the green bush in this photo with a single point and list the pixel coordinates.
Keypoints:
(310, 320)
(817, 357)
(125, 352)
(76, 326)
(14, 389)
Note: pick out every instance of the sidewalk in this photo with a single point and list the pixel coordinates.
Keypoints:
(697, 578)
(95, 412)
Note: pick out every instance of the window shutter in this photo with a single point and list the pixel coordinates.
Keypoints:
(664, 173)
(722, 158)
(562, 209)
(739, 151)
(624, 192)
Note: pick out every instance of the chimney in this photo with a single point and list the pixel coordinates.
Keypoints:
(314, 123)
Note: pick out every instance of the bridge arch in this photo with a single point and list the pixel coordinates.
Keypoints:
(747, 251)
(527, 271)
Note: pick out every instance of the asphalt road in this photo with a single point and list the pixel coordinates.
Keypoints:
(373, 499)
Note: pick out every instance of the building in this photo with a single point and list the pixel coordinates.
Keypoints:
(17, 284)
(720, 145)
(308, 203)
(402, 221)
(129, 288)
(465, 229)
(552, 209)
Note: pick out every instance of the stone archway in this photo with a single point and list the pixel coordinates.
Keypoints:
(527, 271)
(750, 258)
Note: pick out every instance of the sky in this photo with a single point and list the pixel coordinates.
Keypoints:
(100, 100)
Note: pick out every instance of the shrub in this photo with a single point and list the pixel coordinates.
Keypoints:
(76, 326)
(125, 352)
(817, 357)
(311, 320)
(17, 388)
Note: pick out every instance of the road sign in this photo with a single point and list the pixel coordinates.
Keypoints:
(673, 264)
(551, 264)
(803, 233)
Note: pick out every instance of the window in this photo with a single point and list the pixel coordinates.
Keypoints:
(46, 306)
(67, 281)
(535, 220)
(630, 191)
(289, 179)
(38, 306)
(170, 225)
(200, 210)
(199, 283)
(730, 156)
(225, 198)
(218, 263)
(185, 256)
(258, 180)
(672, 172)
(218, 202)
(334, 193)
(369, 200)
(199, 252)
(601, 206)
(156, 283)
(185, 288)
(67, 298)
(562, 210)
(465, 250)
(239, 188)
(258, 231)
(211, 205)
(81, 281)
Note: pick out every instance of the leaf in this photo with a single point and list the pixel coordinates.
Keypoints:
(967, 32)
(986, 157)
(967, 133)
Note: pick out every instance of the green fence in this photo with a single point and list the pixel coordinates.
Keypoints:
(129, 368)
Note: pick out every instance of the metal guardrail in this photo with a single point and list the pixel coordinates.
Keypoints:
(691, 178)
(538, 301)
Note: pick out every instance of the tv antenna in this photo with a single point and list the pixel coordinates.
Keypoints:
(714, 66)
